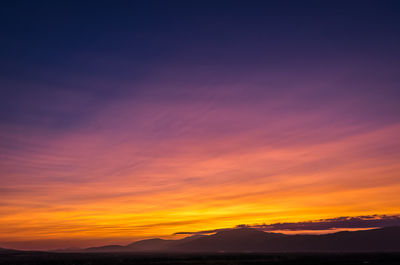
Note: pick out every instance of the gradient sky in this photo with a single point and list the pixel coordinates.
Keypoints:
(124, 121)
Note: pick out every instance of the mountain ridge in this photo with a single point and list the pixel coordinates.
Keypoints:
(253, 240)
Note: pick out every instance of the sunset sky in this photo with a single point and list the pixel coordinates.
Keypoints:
(126, 121)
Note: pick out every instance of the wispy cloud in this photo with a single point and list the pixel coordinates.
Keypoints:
(194, 144)
(357, 222)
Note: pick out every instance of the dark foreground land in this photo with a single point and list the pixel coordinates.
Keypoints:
(231, 259)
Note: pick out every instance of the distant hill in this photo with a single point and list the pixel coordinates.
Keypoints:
(107, 248)
(71, 249)
(9, 251)
(243, 239)
(252, 240)
(148, 245)
(151, 245)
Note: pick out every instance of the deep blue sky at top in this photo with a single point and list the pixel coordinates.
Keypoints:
(129, 119)
(81, 54)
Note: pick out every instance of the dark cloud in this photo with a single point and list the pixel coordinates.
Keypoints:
(367, 221)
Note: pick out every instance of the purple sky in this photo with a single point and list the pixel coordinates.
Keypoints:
(127, 121)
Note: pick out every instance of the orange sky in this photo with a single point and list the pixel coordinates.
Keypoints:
(97, 186)
(126, 120)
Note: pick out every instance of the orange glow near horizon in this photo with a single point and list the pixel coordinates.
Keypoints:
(89, 190)
(129, 120)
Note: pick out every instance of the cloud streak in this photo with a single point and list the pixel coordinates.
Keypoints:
(143, 129)
(357, 222)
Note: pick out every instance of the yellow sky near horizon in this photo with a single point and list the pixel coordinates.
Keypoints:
(193, 189)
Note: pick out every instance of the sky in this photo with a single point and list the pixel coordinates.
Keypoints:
(127, 120)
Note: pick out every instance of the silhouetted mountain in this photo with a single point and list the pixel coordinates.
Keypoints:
(243, 239)
(151, 245)
(108, 248)
(9, 251)
(148, 245)
(71, 249)
(252, 240)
